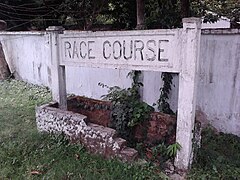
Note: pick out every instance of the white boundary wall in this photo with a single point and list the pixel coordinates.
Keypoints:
(28, 54)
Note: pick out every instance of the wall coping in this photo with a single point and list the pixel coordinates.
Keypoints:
(217, 31)
(220, 31)
(38, 33)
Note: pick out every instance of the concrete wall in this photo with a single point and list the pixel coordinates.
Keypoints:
(219, 80)
(28, 54)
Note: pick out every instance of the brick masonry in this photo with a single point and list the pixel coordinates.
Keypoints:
(160, 127)
(97, 111)
(96, 138)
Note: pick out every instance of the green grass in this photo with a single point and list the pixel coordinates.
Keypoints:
(218, 157)
(27, 154)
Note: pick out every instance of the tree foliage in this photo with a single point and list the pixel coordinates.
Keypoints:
(211, 10)
(73, 14)
(163, 14)
(20, 14)
(114, 14)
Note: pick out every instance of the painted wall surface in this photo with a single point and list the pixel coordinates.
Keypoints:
(219, 81)
(28, 55)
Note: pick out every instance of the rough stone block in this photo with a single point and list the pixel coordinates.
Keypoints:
(128, 154)
(96, 138)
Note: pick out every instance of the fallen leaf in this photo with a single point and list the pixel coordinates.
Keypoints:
(36, 172)
(77, 156)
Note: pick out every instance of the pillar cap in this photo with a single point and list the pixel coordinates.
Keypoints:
(55, 28)
(191, 23)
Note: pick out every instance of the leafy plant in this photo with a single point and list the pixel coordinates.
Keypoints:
(172, 149)
(128, 110)
(160, 151)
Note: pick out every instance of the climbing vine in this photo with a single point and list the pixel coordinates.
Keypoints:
(163, 105)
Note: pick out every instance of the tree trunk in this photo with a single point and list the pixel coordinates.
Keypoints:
(4, 69)
(140, 25)
(185, 8)
(140, 14)
(3, 25)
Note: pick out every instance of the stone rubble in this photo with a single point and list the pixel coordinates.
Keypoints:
(95, 138)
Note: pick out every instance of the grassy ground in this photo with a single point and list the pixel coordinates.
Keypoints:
(26, 154)
(218, 157)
